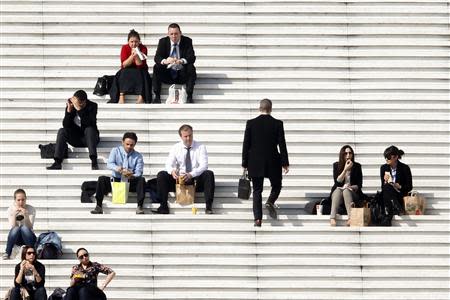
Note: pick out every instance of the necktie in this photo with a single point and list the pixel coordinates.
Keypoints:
(173, 71)
(187, 160)
(125, 166)
(174, 51)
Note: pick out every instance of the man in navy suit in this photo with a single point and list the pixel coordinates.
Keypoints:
(174, 62)
(260, 156)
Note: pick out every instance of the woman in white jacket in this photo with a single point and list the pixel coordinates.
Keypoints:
(21, 219)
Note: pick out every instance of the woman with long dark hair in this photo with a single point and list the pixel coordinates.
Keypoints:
(29, 274)
(348, 179)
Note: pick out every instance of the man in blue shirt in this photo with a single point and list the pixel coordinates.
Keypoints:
(126, 165)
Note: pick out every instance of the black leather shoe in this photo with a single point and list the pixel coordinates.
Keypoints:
(94, 166)
(386, 221)
(55, 166)
(272, 210)
(157, 99)
(189, 99)
(257, 223)
(97, 210)
(208, 211)
(161, 211)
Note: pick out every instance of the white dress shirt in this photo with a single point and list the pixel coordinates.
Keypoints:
(177, 156)
(77, 120)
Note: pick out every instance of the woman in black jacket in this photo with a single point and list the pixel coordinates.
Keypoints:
(30, 274)
(396, 181)
(348, 179)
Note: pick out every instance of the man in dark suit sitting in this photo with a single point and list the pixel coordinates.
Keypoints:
(174, 58)
(260, 156)
(79, 129)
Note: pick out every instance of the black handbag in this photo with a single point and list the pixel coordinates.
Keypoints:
(377, 211)
(244, 188)
(103, 85)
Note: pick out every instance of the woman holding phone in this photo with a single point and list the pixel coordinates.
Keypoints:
(348, 179)
(133, 77)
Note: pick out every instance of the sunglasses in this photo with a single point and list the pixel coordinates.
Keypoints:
(32, 252)
(83, 256)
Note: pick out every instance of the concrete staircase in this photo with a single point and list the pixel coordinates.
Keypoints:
(367, 73)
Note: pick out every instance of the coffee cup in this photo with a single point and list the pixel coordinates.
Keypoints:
(319, 209)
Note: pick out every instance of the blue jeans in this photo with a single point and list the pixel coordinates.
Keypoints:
(20, 235)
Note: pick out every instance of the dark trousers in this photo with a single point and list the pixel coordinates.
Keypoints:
(204, 183)
(89, 138)
(393, 200)
(258, 185)
(38, 294)
(84, 292)
(137, 184)
(187, 76)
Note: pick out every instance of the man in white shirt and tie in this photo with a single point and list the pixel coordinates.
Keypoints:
(187, 159)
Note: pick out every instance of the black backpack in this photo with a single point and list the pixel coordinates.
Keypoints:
(48, 151)
(48, 251)
(88, 189)
(310, 207)
(151, 188)
(48, 245)
(58, 294)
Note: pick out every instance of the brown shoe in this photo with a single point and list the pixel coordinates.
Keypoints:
(97, 210)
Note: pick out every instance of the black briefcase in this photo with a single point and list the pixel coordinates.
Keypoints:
(244, 188)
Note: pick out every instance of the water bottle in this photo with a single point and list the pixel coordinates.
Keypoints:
(29, 277)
